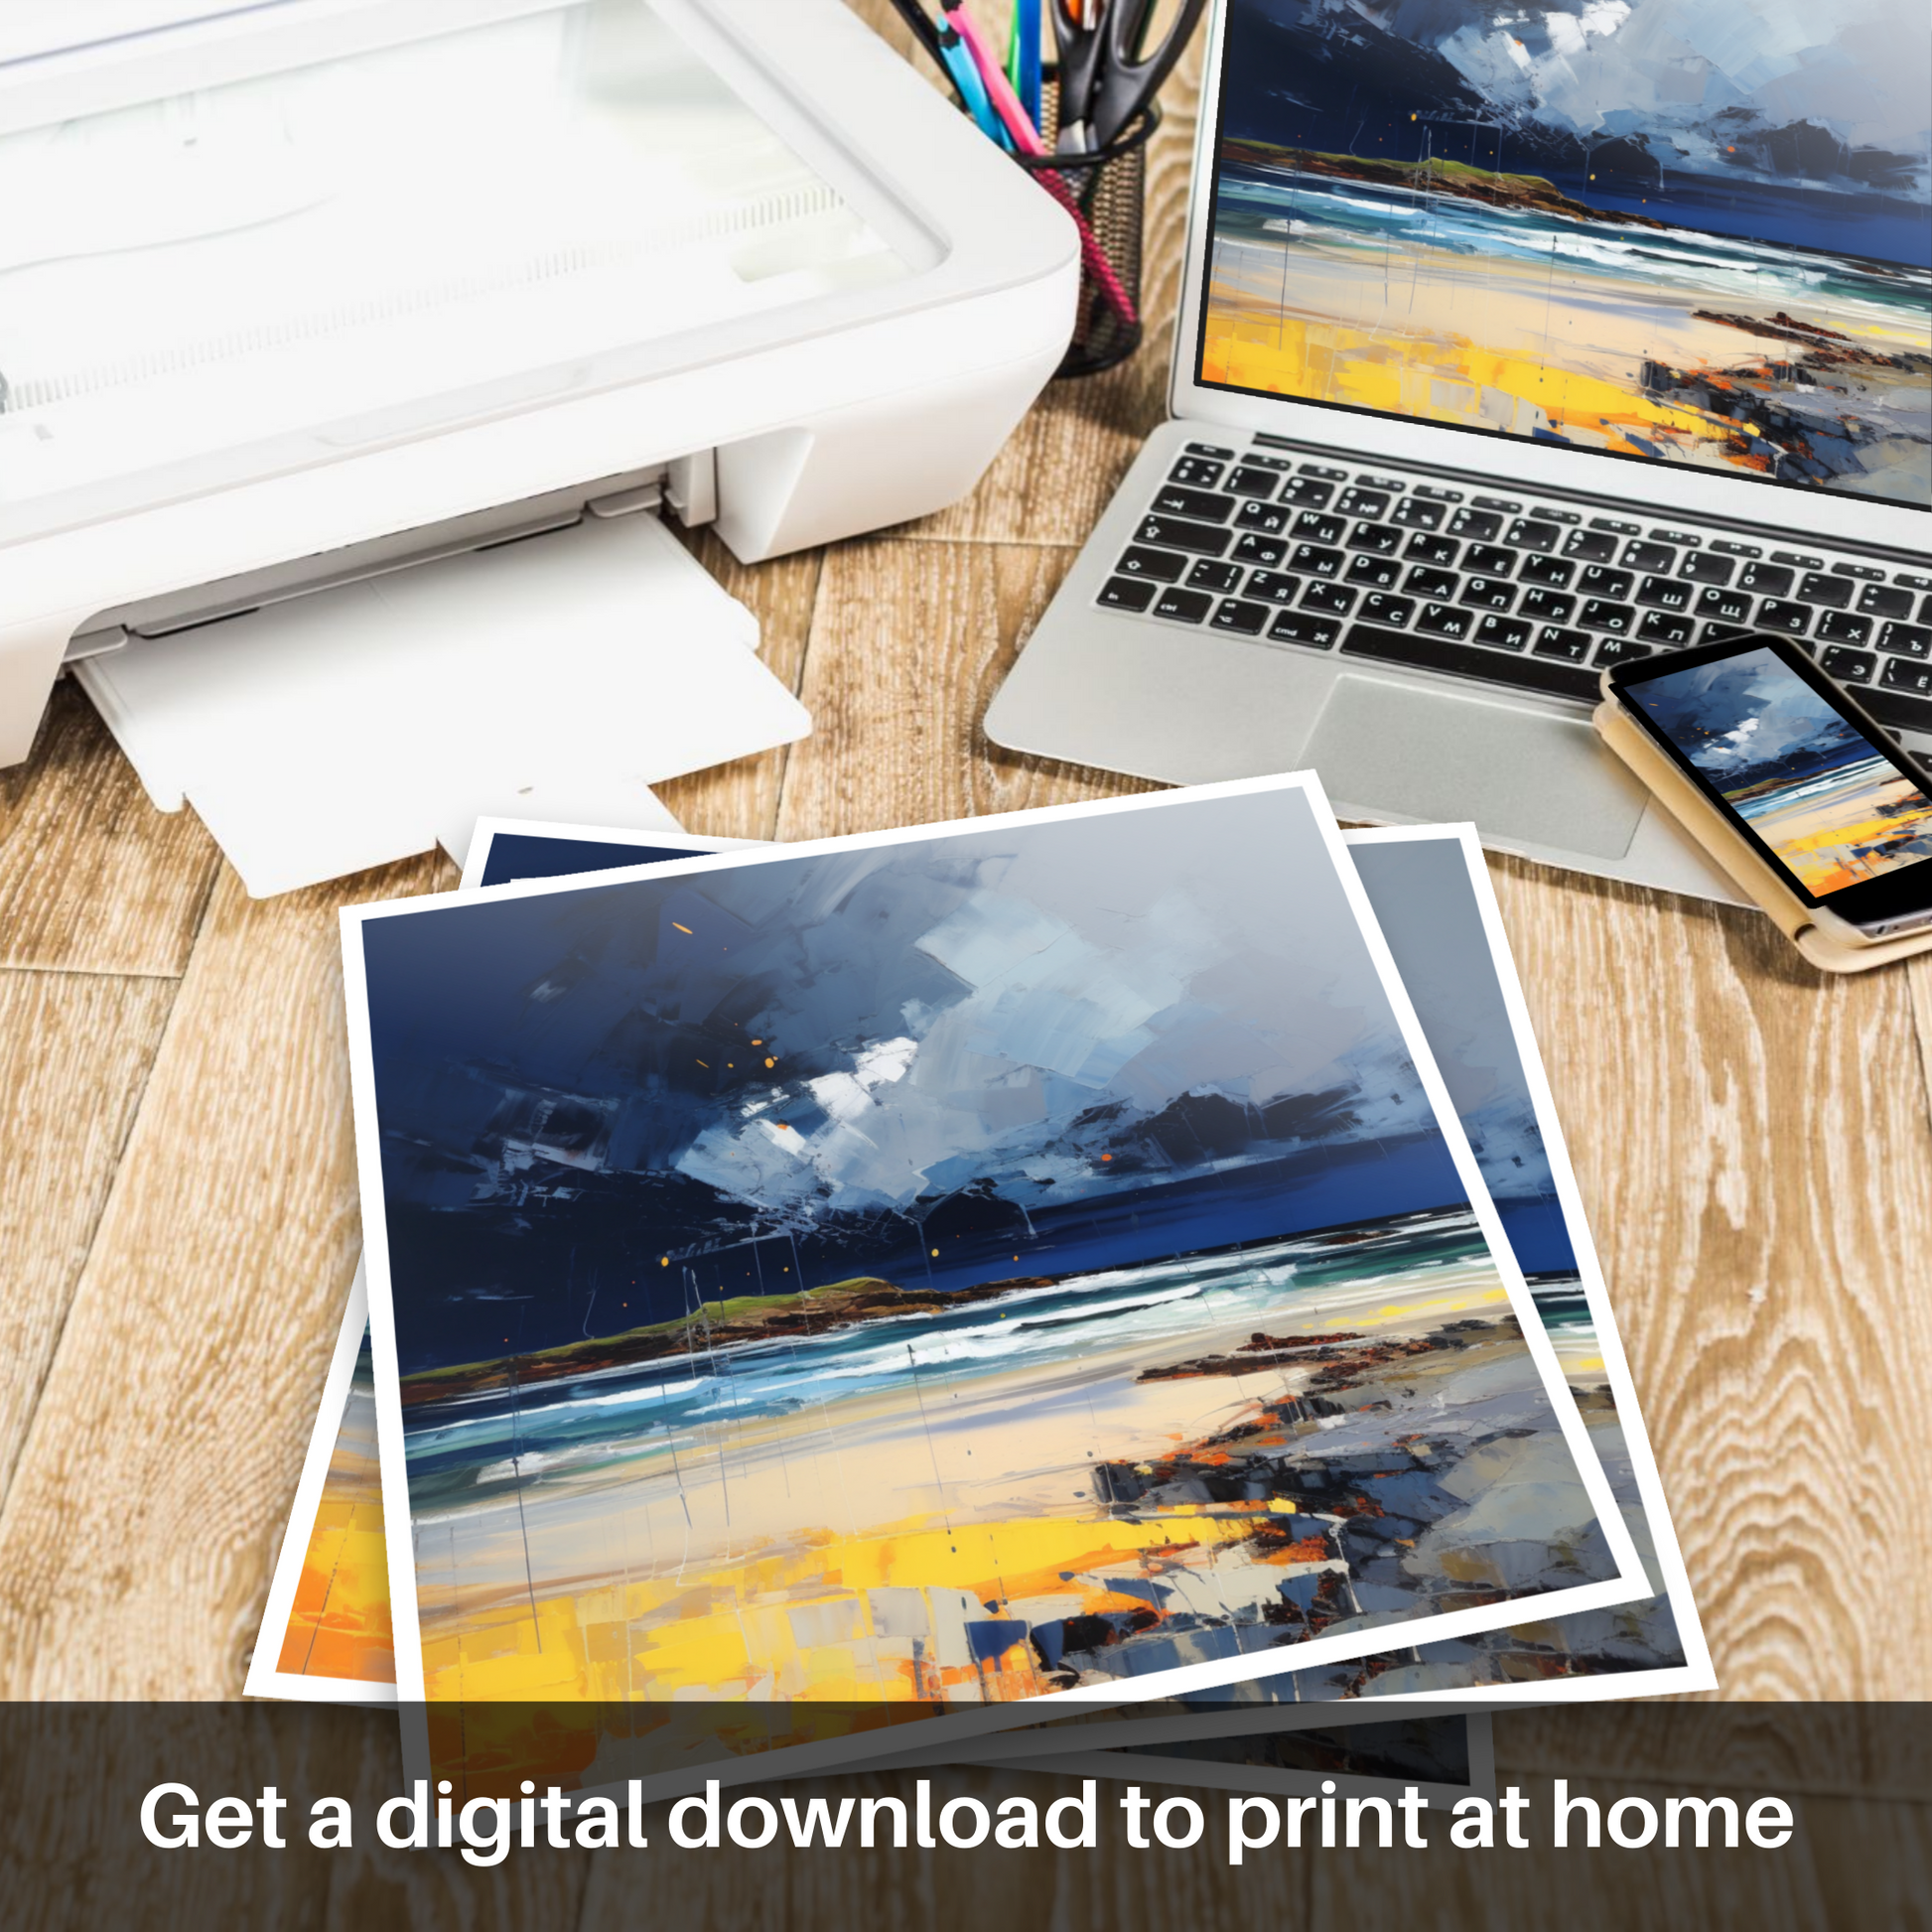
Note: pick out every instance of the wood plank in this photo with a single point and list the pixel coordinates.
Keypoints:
(946, 1889)
(74, 1054)
(909, 643)
(136, 1539)
(93, 878)
(1752, 1144)
(740, 800)
(1853, 1862)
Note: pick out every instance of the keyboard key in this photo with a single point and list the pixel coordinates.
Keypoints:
(1331, 598)
(1299, 627)
(1503, 633)
(1236, 613)
(1665, 593)
(1911, 580)
(1553, 571)
(1878, 600)
(1210, 575)
(1527, 534)
(1553, 516)
(1269, 518)
(1379, 573)
(1619, 650)
(1394, 611)
(1869, 573)
(1439, 653)
(1780, 614)
(1306, 492)
(1896, 708)
(1766, 579)
(1171, 500)
(1665, 627)
(1840, 627)
(1487, 594)
(1700, 567)
(1598, 581)
(1446, 620)
(1616, 527)
(1649, 556)
(1391, 483)
(1725, 607)
(1176, 534)
(1196, 471)
(1732, 549)
(1247, 481)
(1363, 502)
(1277, 586)
(1314, 561)
(1183, 606)
(1127, 593)
(1481, 524)
(1278, 464)
(1906, 639)
(1554, 641)
(1589, 546)
(1906, 674)
(1162, 564)
(1925, 612)
(1382, 538)
(1835, 593)
(1312, 527)
(1440, 496)
(1797, 560)
(1324, 470)
(1599, 613)
(1418, 513)
(1251, 548)
(1210, 449)
(1546, 606)
(1489, 560)
(1848, 666)
(1426, 549)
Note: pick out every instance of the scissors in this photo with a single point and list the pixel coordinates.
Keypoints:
(1107, 76)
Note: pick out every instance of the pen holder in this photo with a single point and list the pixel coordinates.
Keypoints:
(1106, 191)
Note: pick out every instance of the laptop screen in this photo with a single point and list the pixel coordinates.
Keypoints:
(1688, 231)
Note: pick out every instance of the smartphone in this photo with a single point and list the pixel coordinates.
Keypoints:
(1801, 769)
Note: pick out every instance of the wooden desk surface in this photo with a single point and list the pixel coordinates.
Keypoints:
(178, 1213)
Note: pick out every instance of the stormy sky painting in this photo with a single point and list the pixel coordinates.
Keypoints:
(1694, 231)
(944, 1271)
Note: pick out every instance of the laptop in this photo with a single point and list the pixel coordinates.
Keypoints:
(1513, 346)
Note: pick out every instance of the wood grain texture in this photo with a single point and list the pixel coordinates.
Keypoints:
(1752, 1144)
(909, 644)
(1853, 1864)
(75, 1053)
(136, 1538)
(93, 878)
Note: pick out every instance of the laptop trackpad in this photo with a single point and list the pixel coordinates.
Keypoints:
(1386, 746)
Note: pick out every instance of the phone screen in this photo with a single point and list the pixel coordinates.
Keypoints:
(1831, 804)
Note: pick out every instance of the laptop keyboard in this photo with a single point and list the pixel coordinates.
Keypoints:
(1527, 594)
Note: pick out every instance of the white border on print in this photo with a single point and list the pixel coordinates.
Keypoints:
(672, 838)
(265, 1680)
(1627, 1584)
(1276, 1779)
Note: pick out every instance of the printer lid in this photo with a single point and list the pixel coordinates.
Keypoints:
(242, 238)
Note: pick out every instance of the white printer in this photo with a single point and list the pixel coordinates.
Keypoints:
(308, 309)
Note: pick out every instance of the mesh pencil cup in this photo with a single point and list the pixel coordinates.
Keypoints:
(1105, 192)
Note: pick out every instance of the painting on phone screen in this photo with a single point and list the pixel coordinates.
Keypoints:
(1835, 810)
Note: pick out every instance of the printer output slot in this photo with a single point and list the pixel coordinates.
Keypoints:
(687, 485)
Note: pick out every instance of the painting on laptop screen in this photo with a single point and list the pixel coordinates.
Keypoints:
(1696, 231)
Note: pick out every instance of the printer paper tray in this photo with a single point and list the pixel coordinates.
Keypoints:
(555, 677)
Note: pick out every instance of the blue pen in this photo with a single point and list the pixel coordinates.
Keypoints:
(971, 89)
(1026, 82)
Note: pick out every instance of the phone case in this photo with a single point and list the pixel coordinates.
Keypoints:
(1733, 853)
